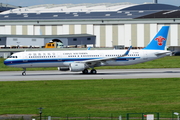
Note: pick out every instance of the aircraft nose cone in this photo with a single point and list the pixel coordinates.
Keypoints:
(7, 62)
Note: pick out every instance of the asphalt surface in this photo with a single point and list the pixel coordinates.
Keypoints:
(101, 74)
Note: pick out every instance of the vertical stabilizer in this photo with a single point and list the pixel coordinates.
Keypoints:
(159, 41)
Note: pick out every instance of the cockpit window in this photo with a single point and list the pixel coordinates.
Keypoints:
(13, 57)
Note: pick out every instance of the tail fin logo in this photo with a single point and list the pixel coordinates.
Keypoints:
(160, 40)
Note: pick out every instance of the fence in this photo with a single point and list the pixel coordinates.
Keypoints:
(128, 116)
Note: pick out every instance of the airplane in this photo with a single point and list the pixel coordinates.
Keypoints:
(82, 60)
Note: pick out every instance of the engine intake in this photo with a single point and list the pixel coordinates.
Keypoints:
(76, 67)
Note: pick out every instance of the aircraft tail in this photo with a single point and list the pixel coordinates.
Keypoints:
(159, 41)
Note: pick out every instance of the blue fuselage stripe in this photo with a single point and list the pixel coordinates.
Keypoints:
(56, 60)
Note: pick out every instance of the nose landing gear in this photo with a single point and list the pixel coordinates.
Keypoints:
(24, 72)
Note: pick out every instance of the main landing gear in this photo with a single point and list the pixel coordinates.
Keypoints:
(85, 71)
(24, 72)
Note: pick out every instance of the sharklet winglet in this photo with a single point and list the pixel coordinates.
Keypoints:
(127, 52)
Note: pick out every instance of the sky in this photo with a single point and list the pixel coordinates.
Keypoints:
(39, 2)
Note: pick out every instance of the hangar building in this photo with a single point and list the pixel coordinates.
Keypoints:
(41, 40)
(112, 23)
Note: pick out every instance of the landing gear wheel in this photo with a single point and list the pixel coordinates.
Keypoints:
(85, 71)
(24, 73)
(93, 71)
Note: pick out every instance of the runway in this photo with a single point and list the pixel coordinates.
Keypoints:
(102, 74)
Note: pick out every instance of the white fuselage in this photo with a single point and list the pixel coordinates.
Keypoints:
(65, 58)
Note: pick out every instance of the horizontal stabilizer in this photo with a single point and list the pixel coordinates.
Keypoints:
(162, 53)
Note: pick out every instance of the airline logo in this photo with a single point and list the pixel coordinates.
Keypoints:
(160, 40)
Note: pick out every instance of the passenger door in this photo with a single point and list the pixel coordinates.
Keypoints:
(59, 56)
(25, 59)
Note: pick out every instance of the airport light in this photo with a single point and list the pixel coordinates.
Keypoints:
(40, 112)
(176, 113)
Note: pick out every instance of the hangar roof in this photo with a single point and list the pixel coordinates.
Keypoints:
(4, 7)
(86, 11)
(85, 7)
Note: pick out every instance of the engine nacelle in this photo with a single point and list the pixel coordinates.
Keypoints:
(63, 68)
(76, 67)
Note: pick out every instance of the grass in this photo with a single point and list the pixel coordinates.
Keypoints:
(166, 62)
(95, 97)
(83, 97)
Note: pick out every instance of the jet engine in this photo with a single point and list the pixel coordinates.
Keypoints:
(76, 67)
(63, 68)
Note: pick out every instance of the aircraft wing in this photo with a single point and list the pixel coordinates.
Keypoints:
(94, 61)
